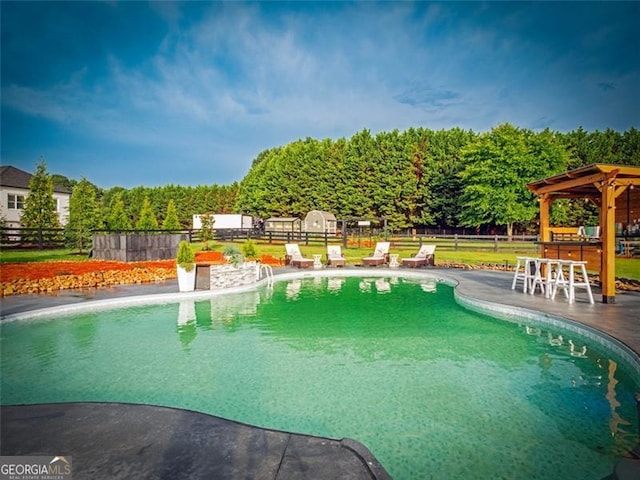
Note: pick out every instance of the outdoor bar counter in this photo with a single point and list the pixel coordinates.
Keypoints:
(588, 251)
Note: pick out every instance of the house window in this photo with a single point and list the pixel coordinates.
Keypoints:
(15, 202)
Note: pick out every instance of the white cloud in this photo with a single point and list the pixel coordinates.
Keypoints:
(248, 77)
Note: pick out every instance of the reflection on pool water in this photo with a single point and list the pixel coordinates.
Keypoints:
(433, 390)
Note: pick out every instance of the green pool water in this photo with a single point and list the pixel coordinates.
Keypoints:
(433, 390)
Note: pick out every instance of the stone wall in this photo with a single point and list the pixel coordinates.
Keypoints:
(137, 247)
(227, 276)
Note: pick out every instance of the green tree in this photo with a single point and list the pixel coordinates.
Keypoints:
(40, 206)
(441, 165)
(171, 221)
(206, 231)
(84, 215)
(498, 167)
(118, 218)
(147, 220)
(62, 181)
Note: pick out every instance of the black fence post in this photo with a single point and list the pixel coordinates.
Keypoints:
(344, 234)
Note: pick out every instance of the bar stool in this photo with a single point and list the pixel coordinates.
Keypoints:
(536, 279)
(550, 267)
(525, 275)
(569, 286)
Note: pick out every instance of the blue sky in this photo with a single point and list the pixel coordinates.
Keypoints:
(152, 93)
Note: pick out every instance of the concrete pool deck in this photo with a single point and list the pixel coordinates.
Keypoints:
(155, 442)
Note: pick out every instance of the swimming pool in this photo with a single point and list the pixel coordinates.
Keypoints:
(430, 388)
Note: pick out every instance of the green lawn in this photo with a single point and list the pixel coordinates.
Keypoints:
(34, 255)
(625, 267)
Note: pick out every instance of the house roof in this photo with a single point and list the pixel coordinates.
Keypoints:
(14, 177)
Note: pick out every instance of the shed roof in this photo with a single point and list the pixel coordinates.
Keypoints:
(14, 177)
(585, 181)
(326, 215)
(283, 219)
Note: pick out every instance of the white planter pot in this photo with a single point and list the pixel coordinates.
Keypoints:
(186, 280)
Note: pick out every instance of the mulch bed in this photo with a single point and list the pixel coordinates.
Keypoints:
(48, 277)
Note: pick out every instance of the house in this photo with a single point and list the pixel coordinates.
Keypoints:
(14, 189)
(318, 221)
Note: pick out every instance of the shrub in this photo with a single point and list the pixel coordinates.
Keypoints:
(249, 249)
(232, 254)
(186, 257)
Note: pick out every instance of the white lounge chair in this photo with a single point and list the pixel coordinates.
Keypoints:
(425, 256)
(294, 256)
(334, 256)
(380, 255)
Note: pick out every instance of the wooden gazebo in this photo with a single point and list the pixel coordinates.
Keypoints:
(602, 184)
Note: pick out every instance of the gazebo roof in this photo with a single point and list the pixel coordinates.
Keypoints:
(586, 181)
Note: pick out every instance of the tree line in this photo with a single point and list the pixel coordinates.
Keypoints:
(419, 177)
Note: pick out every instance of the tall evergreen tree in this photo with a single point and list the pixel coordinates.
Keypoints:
(118, 218)
(171, 221)
(147, 220)
(40, 206)
(84, 215)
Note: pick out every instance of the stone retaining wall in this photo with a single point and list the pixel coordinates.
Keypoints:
(227, 276)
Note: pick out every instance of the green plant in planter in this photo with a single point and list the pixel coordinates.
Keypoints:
(249, 249)
(186, 257)
(233, 255)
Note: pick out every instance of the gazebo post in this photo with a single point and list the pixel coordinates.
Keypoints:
(545, 233)
(608, 227)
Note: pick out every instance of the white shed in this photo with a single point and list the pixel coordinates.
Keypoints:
(225, 221)
(318, 221)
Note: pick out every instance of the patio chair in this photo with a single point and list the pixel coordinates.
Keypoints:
(334, 256)
(380, 255)
(592, 233)
(424, 257)
(294, 256)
